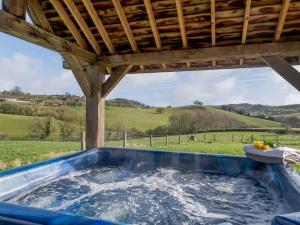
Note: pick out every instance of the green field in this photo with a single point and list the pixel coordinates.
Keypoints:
(141, 119)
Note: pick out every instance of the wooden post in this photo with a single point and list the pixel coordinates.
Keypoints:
(125, 139)
(242, 138)
(277, 140)
(15, 7)
(179, 139)
(82, 140)
(150, 141)
(166, 140)
(95, 108)
(252, 138)
(204, 138)
(214, 137)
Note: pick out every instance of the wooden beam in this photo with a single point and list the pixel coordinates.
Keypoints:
(245, 25)
(115, 77)
(99, 25)
(289, 73)
(21, 29)
(57, 4)
(204, 54)
(213, 26)
(79, 72)
(182, 26)
(152, 21)
(281, 19)
(122, 16)
(83, 26)
(39, 18)
(125, 24)
(181, 23)
(15, 7)
(154, 29)
(95, 108)
(37, 15)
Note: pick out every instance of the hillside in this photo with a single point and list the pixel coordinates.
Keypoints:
(139, 118)
(257, 109)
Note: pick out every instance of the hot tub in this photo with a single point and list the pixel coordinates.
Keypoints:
(113, 186)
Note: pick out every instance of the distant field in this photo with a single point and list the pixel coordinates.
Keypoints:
(144, 119)
(19, 126)
(141, 119)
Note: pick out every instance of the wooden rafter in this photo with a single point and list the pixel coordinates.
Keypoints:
(69, 23)
(115, 77)
(281, 19)
(21, 29)
(122, 16)
(99, 25)
(83, 26)
(38, 17)
(245, 25)
(15, 7)
(284, 69)
(213, 26)
(250, 51)
(154, 29)
(182, 26)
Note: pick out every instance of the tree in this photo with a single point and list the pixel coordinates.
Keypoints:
(66, 129)
(160, 110)
(41, 128)
(198, 103)
(16, 90)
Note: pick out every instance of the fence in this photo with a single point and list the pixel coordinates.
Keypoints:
(16, 151)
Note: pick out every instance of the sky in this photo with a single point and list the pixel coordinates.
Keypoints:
(39, 71)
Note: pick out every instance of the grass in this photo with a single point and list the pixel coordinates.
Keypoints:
(14, 153)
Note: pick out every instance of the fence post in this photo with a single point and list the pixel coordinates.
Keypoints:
(125, 139)
(214, 137)
(252, 138)
(277, 140)
(204, 138)
(82, 140)
(179, 139)
(166, 140)
(232, 138)
(150, 141)
(242, 138)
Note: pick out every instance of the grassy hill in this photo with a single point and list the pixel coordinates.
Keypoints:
(141, 119)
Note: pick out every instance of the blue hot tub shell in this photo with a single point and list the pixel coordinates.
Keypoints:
(16, 180)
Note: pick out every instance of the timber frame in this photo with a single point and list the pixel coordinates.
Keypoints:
(98, 38)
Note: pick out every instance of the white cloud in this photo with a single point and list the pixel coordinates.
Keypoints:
(34, 76)
(292, 99)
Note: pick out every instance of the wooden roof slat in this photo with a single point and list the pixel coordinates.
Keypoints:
(182, 26)
(69, 23)
(125, 24)
(99, 25)
(245, 25)
(213, 26)
(126, 27)
(281, 19)
(154, 29)
(83, 26)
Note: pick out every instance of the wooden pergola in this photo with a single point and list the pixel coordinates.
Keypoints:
(119, 37)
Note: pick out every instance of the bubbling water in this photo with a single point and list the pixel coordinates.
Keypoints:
(162, 196)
